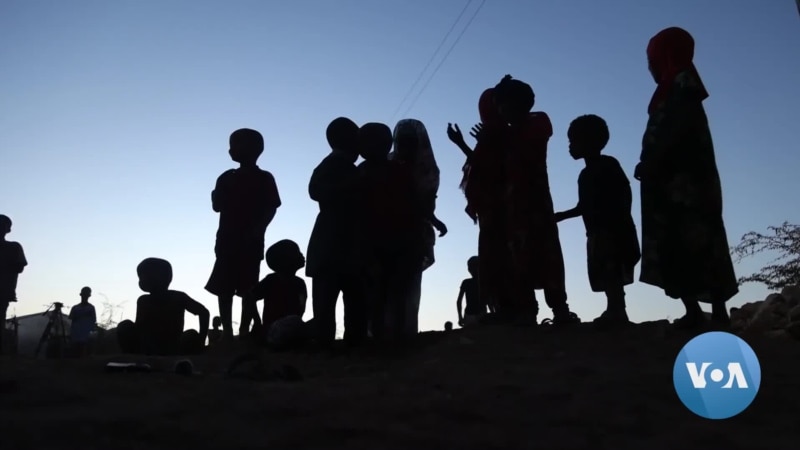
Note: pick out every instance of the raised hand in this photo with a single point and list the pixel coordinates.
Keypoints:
(477, 131)
(454, 134)
(440, 226)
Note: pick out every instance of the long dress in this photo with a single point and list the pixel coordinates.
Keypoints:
(685, 248)
(533, 231)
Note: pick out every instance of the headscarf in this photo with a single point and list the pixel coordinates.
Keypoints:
(426, 171)
(670, 53)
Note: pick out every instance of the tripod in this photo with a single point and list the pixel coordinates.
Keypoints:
(54, 333)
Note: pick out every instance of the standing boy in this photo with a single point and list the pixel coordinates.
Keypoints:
(12, 262)
(604, 203)
(83, 318)
(334, 257)
(246, 200)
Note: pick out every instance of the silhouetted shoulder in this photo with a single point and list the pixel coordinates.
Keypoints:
(538, 123)
(301, 285)
(262, 288)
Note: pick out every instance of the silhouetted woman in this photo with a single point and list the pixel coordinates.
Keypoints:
(684, 244)
(484, 187)
(413, 146)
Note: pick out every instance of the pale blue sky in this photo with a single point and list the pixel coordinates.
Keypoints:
(115, 115)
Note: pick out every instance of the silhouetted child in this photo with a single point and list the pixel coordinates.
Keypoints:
(215, 334)
(246, 200)
(604, 202)
(537, 259)
(448, 326)
(476, 305)
(83, 318)
(334, 253)
(394, 220)
(158, 329)
(283, 292)
(12, 262)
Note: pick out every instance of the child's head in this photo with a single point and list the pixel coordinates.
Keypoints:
(5, 225)
(155, 275)
(285, 257)
(514, 99)
(375, 141)
(216, 322)
(472, 266)
(588, 135)
(342, 134)
(448, 326)
(86, 292)
(246, 146)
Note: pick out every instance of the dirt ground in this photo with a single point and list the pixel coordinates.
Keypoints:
(483, 388)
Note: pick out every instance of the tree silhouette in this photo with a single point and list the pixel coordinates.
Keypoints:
(781, 271)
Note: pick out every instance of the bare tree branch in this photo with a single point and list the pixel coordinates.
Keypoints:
(784, 270)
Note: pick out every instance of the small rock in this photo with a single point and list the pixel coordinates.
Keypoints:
(792, 295)
(184, 367)
(794, 314)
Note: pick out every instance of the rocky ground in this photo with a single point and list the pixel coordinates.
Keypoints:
(483, 388)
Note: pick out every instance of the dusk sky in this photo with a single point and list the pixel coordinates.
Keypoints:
(115, 117)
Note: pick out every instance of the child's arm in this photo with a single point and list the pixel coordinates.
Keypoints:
(217, 195)
(569, 214)
(272, 200)
(193, 306)
(93, 316)
(21, 261)
(303, 297)
(438, 224)
(250, 308)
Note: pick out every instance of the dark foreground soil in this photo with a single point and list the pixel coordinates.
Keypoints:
(481, 388)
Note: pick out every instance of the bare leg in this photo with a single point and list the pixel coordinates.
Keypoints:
(226, 315)
(694, 317)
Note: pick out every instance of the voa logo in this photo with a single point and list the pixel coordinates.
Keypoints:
(717, 375)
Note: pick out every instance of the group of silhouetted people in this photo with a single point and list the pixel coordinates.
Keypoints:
(375, 231)
(684, 247)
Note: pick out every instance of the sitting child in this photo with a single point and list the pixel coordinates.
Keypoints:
(284, 295)
(604, 202)
(215, 334)
(476, 306)
(158, 329)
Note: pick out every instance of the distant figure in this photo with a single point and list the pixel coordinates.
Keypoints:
(604, 203)
(158, 329)
(538, 262)
(393, 229)
(476, 307)
(484, 186)
(334, 254)
(83, 320)
(412, 146)
(448, 326)
(12, 263)
(246, 200)
(684, 244)
(215, 334)
(283, 292)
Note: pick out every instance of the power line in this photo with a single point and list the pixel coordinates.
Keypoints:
(458, 38)
(430, 61)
